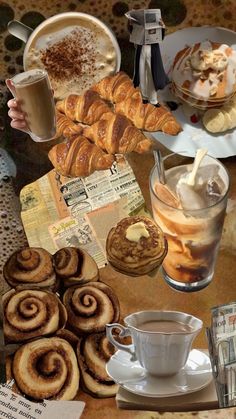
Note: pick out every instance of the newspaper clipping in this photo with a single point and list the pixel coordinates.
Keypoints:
(60, 212)
(14, 406)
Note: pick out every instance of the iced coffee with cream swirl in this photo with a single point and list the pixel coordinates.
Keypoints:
(193, 221)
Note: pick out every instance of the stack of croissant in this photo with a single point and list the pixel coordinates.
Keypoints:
(111, 117)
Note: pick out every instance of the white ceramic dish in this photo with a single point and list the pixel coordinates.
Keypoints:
(132, 377)
(194, 135)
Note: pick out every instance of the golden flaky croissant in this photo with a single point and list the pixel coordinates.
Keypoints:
(116, 134)
(147, 116)
(87, 108)
(66, 127)
(79, 158)
(116, 88)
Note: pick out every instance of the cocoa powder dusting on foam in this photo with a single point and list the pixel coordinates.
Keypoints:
(71, 57)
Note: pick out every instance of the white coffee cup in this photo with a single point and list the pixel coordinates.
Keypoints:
(163, 352)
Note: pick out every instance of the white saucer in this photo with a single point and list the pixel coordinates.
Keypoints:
(132, 377)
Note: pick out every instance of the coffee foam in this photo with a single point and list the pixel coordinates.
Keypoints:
(30, 79)
(12, 235)
(75, 56)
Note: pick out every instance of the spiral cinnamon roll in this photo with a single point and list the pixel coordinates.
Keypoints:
(30, 266)
(90, 307)
(75, 266)
(46, 368)
(69, 336)
(93, 352)
(31, 313)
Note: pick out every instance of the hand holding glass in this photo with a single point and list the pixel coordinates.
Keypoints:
(33, 91)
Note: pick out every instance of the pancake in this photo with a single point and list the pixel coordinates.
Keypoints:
(197, 103)
(139, 254)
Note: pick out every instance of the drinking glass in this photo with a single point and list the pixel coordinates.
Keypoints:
(193, 234)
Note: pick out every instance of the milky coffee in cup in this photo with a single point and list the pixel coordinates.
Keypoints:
(164, 326)
(34, 93)
(76, 49)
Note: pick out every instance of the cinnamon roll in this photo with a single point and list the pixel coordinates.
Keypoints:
(31, 313)
(136, 246)
(69, 337)
(90, 307)
(93, 352)
(75, 266)
(46, 368)
(30, 266)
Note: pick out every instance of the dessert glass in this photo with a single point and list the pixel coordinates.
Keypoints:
(193, 234)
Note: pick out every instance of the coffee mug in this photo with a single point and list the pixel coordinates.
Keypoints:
(53, 30)
(33, 90)
(161, 340)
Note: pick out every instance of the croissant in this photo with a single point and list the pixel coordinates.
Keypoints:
(66, 127)
(147, 116)
(87, 108)
(116, 88)
(116, 134)
(79, 158)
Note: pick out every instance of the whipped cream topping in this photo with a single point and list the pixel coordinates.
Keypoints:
(202, 60)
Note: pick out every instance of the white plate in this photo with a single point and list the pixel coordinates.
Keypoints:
(194, 135)
(132, 377)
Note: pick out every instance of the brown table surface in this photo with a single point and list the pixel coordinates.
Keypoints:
(153, 293)
(146, 292)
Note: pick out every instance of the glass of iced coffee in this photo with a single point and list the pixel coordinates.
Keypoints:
(190, 208)
(33, 90)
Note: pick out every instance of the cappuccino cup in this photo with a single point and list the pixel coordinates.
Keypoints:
(33, 90)
(161, 340)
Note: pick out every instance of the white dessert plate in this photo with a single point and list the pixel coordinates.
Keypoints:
(194, 135)
(132, 377)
